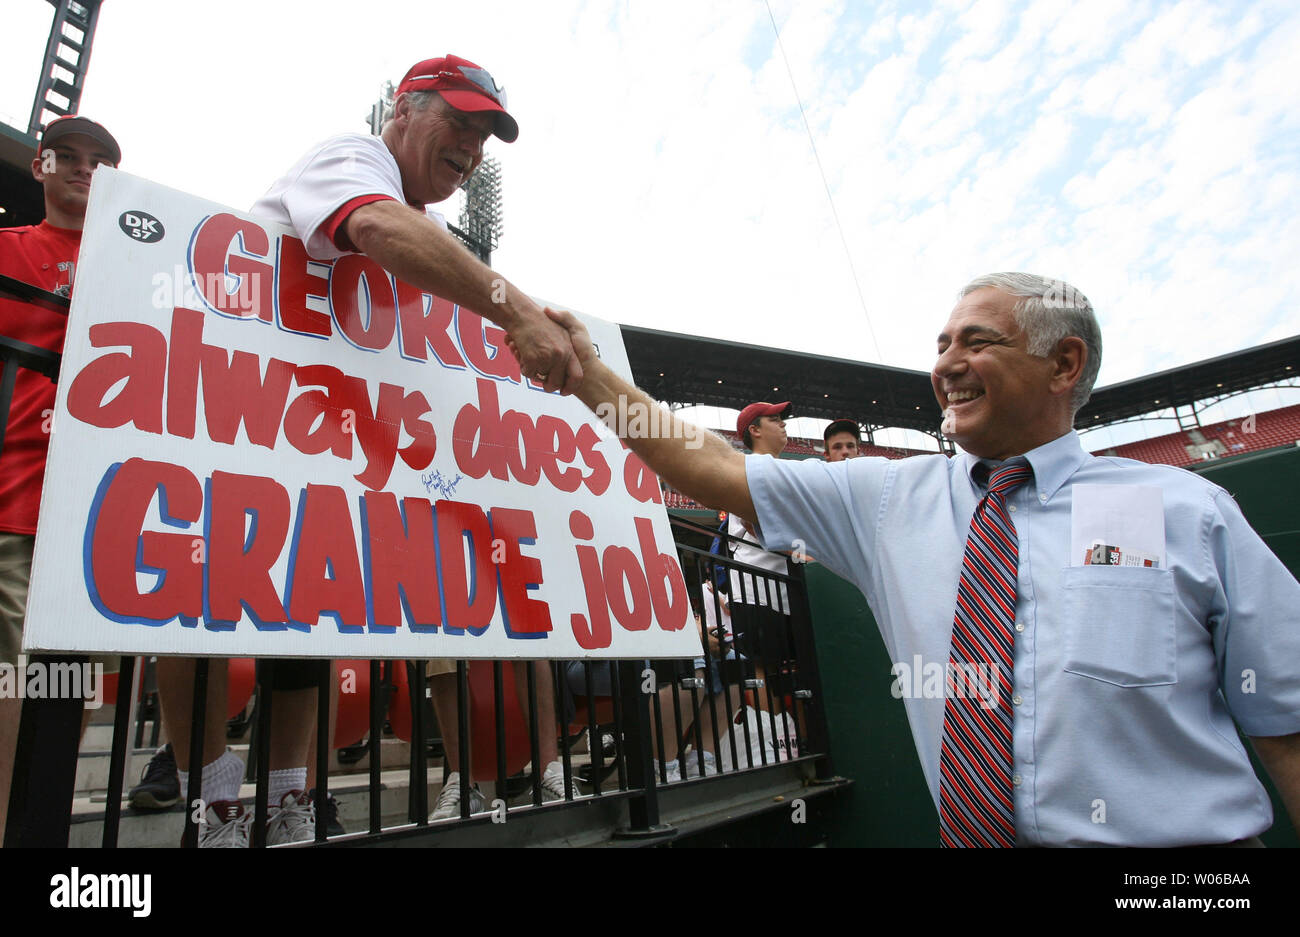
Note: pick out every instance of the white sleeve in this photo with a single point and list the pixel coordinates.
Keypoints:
(339, 170)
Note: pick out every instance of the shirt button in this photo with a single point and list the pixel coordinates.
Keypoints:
(1017, 700)
(1042, 496)
(1015, 779)
(1012, 508)
(1019, 626)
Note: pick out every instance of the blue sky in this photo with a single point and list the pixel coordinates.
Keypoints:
(1145, 152)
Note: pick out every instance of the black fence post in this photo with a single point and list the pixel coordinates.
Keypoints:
(643, 809)
(45, 766)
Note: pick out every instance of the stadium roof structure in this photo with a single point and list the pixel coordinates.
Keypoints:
(1184, 386)
(693, 370)
(689, 369)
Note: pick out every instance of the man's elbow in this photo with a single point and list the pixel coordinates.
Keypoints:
(368, 227)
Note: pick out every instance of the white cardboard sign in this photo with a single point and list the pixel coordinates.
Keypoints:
(256, 454)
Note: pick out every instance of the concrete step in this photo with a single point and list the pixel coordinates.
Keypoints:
(92, 764)
(146, 829)
(150, 829)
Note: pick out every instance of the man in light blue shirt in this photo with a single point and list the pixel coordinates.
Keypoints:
(1127, 678)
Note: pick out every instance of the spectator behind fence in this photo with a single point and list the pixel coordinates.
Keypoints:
(1112, 686)
(843, 439)
(357, 193)
(43, 255)
(760, 607)
(715, 632)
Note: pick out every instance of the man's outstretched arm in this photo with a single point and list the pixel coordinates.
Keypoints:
(696, 462)
(414, 249)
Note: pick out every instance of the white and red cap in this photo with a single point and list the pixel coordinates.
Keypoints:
(65, 126)
(758, 410)
(465, 86)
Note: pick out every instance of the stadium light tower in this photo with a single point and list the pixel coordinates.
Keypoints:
(480, 216)
(67, 57)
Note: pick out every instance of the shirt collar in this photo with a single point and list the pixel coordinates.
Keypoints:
(1053, 463)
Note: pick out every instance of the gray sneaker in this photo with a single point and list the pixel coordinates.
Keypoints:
(447, 806)
(294, 821)
(553, 784)
(693, 764)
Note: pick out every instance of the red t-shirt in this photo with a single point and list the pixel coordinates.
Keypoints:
(43, 256)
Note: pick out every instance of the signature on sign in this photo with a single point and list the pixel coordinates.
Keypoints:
(446, 486)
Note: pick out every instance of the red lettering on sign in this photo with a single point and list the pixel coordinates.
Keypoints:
(325, 575)
(621, 567)
(641, 483)
(423, 331)
(593, 630)
(401, 560)
(524, 616)
(295, 285)
(140, 400)
(212, 257)
(476, 438)
(510, 446)
(314, 421)
(116, 532)
(587, 440)
(352, 277)
(239, 563)
(664, 577)
(469, 590)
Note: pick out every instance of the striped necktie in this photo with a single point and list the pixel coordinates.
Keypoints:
(975, 799)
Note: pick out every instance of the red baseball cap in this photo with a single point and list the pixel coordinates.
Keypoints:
(465, 86)
(760, 409)
(65, 126)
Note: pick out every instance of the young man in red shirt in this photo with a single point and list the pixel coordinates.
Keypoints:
(44, 255)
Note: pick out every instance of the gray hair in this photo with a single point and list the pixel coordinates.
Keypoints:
(1048, 312)
(419, 100)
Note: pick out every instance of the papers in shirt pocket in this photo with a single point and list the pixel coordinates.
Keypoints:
(1117, 525)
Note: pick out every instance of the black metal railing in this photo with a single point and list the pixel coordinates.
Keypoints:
(754, 703)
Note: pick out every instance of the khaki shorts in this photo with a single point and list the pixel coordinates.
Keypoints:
(15, 577)
(438, 666)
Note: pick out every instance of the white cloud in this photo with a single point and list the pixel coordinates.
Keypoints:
(1145, 151)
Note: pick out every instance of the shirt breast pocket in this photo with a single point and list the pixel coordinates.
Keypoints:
(1119, 625)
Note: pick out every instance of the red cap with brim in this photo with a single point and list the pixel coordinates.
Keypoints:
(66, 126)
(465, 86)
(756, 410)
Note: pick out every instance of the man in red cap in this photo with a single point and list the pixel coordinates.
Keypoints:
(366, 194)
(44, 255)
(358, 193)
(759, 608)
(842, 438)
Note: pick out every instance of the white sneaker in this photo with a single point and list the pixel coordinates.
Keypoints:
(225, 825)
(447, 806)
(294, 821)
(693, 765)
(553, 783)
